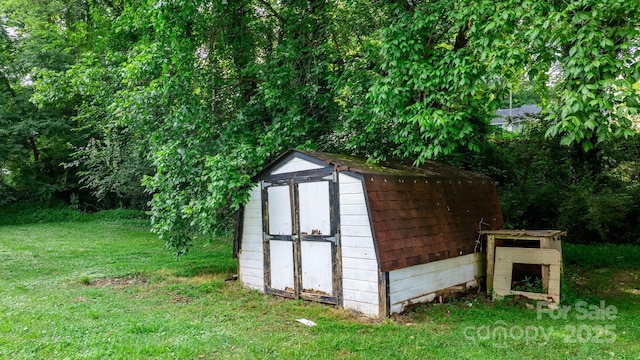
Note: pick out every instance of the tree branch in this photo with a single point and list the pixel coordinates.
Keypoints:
(7, 84)
(273, 11)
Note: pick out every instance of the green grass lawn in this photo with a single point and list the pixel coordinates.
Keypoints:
(108, 289)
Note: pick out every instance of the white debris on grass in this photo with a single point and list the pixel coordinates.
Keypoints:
(306, 322)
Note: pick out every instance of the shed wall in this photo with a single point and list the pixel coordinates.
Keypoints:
(295, 164)
(250, 256)
(420, 283)
(359, 263)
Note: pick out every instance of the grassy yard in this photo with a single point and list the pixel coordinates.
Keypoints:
(108, 289)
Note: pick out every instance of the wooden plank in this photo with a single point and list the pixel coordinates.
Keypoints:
(502, 278)
(528, 255)
(534, 296)
(511, 234)
(490, 262)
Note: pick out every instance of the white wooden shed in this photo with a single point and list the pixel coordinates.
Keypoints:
(372, 238)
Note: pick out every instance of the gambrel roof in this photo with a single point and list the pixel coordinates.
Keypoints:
(418, 214)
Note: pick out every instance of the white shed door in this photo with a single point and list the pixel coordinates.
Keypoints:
(300, 239)
(280, 241)
(315, 227)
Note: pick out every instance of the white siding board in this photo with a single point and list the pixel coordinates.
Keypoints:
(353, 209)
(347, 179)
(430, 284)
(252, 230)
(365, 308)
(361, 296)
(356, 230)
(356, 241)
(432, 267)
(252, 283)
(253, 246)
(253, 263)
(358, 264)
(351, 187)
(250, 256)
(361, 285)
(351, 198)
(363, 274)
(295, 164)
(355, 220)
(358, 252)
(419, 283)
(254, 273)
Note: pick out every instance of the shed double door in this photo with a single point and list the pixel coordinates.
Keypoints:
(300, 239)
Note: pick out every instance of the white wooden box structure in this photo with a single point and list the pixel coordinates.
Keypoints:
(536, 247)
(371, 238)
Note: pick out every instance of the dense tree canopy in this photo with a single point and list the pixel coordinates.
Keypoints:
(192, 98)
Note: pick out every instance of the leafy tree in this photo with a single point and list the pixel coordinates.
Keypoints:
(212, 90)
(34, 140)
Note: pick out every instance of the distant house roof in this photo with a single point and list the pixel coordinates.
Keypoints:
(420, 214)
(505, 116)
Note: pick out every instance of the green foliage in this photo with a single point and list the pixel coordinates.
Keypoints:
(593, 195)
(36, 213)
(434, 93)
(532, 285)
(114, 168)
(34, 139)
(595, 46)
(192, 98)
(593, 257)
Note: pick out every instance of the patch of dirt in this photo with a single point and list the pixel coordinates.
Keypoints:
(119, 282)
(181, 299)
(626, 281)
